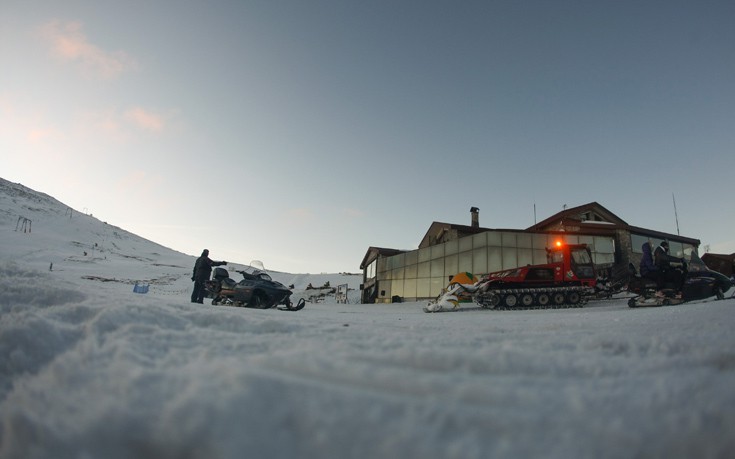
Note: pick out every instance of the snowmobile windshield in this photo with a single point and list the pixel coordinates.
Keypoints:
(257, 269)
(696, 263)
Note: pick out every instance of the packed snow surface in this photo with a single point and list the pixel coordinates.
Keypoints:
(90, 369)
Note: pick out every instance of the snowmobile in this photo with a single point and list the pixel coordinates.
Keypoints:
(699, 282)
(256, 290)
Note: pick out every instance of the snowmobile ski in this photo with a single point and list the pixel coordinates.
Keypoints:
(299, 306)
(427, 310)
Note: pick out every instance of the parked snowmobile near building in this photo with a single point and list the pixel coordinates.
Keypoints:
(567, 280)
(699, 282)
(256, 290)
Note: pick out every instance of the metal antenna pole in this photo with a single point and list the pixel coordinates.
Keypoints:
(676, 215)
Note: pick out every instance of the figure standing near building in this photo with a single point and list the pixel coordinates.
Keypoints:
(202, 272)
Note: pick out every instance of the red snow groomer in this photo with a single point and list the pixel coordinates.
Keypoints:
(566, 280)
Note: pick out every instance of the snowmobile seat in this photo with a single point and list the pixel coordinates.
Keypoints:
(221, 273)
(228, 283)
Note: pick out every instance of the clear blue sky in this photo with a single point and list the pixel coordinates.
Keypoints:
(300, 133)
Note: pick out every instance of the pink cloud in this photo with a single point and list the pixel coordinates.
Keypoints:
(145, 119)
(70, 44)
(37, 135)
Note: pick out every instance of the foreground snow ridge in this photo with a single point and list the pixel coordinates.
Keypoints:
(94, 370)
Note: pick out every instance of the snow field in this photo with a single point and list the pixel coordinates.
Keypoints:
(107, 373)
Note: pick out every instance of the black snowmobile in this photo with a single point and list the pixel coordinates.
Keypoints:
(256, 290)
(699, 282)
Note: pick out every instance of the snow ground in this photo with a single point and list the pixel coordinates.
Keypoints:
(90, 369)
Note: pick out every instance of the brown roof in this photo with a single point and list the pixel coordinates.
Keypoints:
(574, 212)
(378, 251)
(719, 256)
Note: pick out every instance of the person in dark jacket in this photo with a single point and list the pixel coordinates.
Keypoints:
(669, 273)
(202, 272)
(648, 267)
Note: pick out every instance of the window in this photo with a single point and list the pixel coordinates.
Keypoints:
(370, 270)
(581, 257)
(582, 264)
(676, 249)
(637, 241)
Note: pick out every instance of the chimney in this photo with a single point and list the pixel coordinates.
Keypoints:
(475, 211)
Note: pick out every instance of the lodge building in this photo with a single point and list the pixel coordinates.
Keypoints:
(392, 275)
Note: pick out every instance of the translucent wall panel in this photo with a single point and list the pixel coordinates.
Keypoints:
(494, 259)
(540, 241)
(465, 262)
(509, 239)
(384, 289)
(451, 265)
(451, 247)
(396, 261)
(412, 257)
(425, 269)
(571, 239)
(510, 258)
(465, 244)
(524, 241)
(396, 288)
(412, 271)
(437, 284)
(423, 288)
(525, 257)
(399, 273)
(479, 240)
(437, 251)
(382, 262)
(479, 261)
(539, 257)
(409, 288)
(424, 254)
(437, 268)
(494, 239)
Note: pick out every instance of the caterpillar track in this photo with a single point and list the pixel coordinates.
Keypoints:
(534, 298)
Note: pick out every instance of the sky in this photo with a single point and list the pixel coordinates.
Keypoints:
(302, 133)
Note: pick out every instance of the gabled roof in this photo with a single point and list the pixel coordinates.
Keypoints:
(593, 212)
(373, 252)
(438, 227)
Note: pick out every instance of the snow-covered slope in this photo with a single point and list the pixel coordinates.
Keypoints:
(45, 234)
(90, 369)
